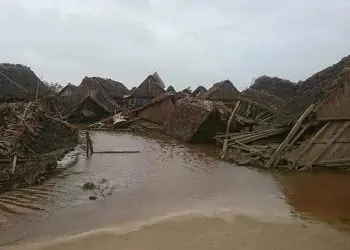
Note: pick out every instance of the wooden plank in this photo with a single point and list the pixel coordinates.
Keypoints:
(272, 161)
(309, 144)
(330, 142)
(117, 152)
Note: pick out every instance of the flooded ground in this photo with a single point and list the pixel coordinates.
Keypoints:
(174, 196)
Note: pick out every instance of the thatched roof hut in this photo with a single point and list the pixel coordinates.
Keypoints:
(68, 90)
(96, 105)
(115, 89)
(281, 88)
(18, 82)
(312, 90)
(199, 91)
(223, 91)
(193, 120)
(149, 89)
(171, 89)
(186, 92)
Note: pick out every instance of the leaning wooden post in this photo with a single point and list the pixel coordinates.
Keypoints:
(224, 147)
(14, 162)
(87, 142)
(295, 129)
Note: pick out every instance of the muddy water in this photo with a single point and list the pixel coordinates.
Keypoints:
(167, 188)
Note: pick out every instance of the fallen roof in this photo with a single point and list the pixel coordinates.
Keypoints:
(19, 82)
(312, 90)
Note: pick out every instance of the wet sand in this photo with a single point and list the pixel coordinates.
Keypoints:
(170, 178)
(199, 232)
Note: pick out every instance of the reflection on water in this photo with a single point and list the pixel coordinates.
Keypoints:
(165, 177)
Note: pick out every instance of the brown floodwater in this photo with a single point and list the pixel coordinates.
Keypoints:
(174, 196)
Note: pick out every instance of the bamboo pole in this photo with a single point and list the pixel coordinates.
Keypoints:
(309, 144)
(14, 162)
(330, 142)
(272, 161)
(224, 147)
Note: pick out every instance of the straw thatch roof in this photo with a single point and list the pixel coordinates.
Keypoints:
(199, 91)
(263, 99)
(149, 88)
(68, 89)
(158, 79)
(188, 117)
(26, 130)
(171, 89)
(18, 82)
(312, 90)
(275, 86)
(114, 89)
(222, 91)
(96, 104)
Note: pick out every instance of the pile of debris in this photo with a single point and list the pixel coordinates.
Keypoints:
(195, 120)
(30, 142)
(19, 83)
(318, 137)
(312, 90)
(281, 88)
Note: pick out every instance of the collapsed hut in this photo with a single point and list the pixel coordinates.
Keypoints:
(158, 110)
(199, 92)
(149, 89)
(116, 90)
(96, 105)
(195, 120)
(317, 137)
(31, 142)
(223, 91)
(19, 83)
(259, 105)
(281, 88)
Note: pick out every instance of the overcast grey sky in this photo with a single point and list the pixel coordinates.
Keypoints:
(189, 42)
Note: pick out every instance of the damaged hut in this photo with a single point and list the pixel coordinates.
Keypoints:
(275, 86)
(223, 91)
(31, 142)
(314, 133)
(195, 120)
(158, 110)
(199, 92)
(96, 105)
(149, 89)
(114, 89)
(19, 83)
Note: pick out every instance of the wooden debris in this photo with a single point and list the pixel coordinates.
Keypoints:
(273, 160)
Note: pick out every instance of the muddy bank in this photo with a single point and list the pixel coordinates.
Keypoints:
(200, 232)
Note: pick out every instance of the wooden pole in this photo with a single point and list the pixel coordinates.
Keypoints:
(14, 162)
(224, 147)
(309, 144)
(87, 142)
(330, 142)
(272, 161)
